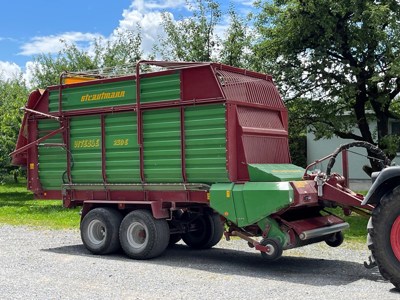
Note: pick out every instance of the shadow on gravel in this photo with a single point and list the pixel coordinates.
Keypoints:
(303, 270)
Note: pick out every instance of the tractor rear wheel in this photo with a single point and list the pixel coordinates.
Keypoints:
(208, 232)
(385, 237)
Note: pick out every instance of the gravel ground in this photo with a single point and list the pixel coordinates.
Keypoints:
(47, 264)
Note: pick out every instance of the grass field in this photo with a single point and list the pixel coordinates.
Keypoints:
(358, 226)
(17, 207)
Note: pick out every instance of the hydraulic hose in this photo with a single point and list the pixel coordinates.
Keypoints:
(381, 157)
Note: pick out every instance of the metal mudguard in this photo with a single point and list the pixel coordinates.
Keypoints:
(383, 182)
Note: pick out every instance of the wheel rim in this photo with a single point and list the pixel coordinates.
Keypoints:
(97, 232)
(137, 235)
(271, 249)
(395, 238)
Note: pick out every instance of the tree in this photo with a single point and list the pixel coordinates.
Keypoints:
(338, 59)
(13, 96)
(122, 51)
(47, 69)
(192, 38)
(236, 47)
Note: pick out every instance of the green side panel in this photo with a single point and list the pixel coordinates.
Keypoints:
(249, 203)
(122, 150)
(162, 145)
(221, 200)
(275, 172)
(264, 198)
(205, 147)
(52, 160)
(85, 139)
(275, 231)
(94, 96)
(162, 88)
(153, 89)
(240, 206)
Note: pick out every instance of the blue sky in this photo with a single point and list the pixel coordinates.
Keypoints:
(39, 25)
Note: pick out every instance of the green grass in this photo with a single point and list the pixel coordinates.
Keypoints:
(358, 226)
(17, 207)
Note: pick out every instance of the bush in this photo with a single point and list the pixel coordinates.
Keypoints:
(298, 150)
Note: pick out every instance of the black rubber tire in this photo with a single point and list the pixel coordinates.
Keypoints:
(335, 239)
(218, 231)
(100, 230)
(209, 233)
(276, 250)
(142, 236)
(383, 218)
(173, 239)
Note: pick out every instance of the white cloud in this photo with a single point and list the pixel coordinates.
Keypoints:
(29, 72)
(245, 2)
(148, 15)
(143, 5)
(52, 43)
(2, 38)
(9, 70)
(144, 13)
(150, 24)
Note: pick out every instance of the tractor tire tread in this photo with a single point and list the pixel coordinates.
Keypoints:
(385, 259)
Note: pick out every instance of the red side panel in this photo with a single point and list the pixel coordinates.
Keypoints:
(264, 136)
(260, 118)
(42, 104)
(33, 159)
(265, 149)
(261, 127)
(21, 159)
(200, 83)
(242, 88)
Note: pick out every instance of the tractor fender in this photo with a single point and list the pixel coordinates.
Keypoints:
(383, 182)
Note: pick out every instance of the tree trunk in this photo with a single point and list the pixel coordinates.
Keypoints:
(362, 122)
(382, 127)
(15, 174)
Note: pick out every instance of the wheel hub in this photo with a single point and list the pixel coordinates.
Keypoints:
(96, 232)
(395, 238)
(137, 235)
(270, 249)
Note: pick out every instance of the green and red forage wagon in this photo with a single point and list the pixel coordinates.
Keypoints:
(181, 151)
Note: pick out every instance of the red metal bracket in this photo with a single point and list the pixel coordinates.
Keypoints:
(37, 142)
